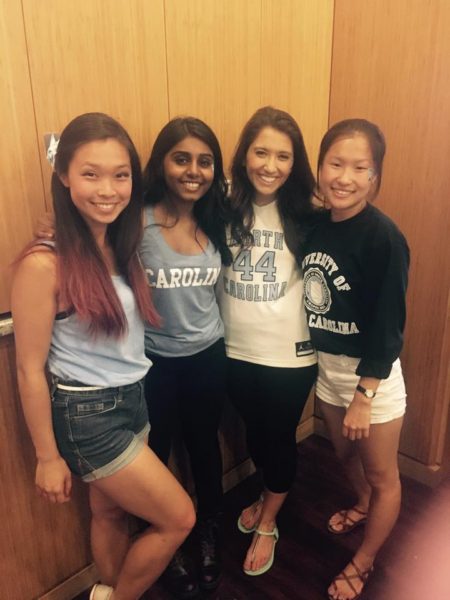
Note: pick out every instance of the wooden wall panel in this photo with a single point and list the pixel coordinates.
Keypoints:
(391, 65)
(40, 544)
(98, 56)
(22, 196)
(214, 63)
(296, 43)
(226, 59)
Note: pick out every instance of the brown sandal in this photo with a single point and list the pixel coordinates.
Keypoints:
(343, 576)
(347, 524)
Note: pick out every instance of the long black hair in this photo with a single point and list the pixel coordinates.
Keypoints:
(209, 210)
(350, 128)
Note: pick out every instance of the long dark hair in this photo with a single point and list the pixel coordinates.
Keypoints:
(209, 210)
(293, 198)
(350, 128)
(85, 284)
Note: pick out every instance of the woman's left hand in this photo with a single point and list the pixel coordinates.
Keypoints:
(357, 419)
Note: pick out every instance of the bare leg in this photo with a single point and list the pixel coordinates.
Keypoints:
(148, 490)
(259, 554)
(347, 453)
(109, 535)
(379, 458)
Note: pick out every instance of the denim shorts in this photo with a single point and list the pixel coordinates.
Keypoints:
(99, 431)
(337, 380)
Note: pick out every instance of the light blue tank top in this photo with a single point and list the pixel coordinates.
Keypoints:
(183, 294)
(103, 360)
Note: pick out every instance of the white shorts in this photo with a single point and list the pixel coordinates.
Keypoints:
(337, 381)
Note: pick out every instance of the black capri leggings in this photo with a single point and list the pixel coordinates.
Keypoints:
(271, 401)
(191, 390)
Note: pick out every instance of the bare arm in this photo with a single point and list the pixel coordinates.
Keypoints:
(34, 306)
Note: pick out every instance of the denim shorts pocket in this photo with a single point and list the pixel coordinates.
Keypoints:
(90, 407)
(91, 419)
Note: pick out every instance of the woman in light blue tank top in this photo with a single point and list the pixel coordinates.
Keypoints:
(182, 251)
(80, 307)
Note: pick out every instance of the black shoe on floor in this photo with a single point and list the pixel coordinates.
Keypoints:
(210, 568)
(179, 577)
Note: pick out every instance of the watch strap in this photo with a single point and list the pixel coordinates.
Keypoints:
(367, 393)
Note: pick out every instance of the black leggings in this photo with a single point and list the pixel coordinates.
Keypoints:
(271, 401)
(191, 390)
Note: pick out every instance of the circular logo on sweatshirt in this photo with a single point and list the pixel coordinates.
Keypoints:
(317, 292)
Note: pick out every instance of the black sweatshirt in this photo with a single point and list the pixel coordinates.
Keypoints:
(355, 277)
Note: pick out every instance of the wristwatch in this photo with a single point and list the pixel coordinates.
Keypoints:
(367, 393)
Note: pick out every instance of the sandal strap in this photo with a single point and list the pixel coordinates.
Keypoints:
(347, 520)
(347, 578)
(346, 517)
(363, 575)
(358, 574)
(273, 533)
(363, 513)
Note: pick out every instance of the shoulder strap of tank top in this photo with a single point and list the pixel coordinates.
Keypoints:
(52, 244)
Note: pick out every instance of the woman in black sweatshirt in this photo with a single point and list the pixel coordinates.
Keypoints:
(355, 277)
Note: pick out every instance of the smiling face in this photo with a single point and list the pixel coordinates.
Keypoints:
(347, 177)
(188, 170)
(268, 163)
(100, 182)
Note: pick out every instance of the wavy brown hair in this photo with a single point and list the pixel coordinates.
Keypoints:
(293, 197)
